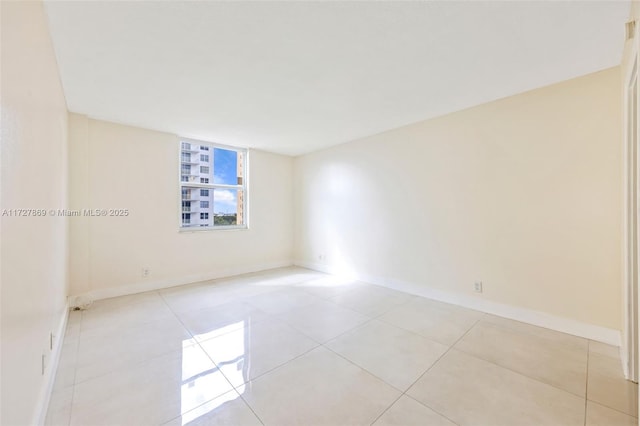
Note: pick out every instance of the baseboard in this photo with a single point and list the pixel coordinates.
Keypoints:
(52, 368)
(529, 316)
(143, 286)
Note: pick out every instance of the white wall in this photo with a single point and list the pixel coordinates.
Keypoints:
(117, 166)
(34, 176)
(523, 193)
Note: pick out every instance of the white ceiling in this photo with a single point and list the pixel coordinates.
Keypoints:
(293, 77)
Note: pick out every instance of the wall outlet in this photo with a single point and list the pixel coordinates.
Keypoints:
(145, 272)
(477, 286)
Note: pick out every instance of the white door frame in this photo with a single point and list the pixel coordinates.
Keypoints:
(631, 255)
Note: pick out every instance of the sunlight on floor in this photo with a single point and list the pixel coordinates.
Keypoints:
(201, 383)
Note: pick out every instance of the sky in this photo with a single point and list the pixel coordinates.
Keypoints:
(225, 163)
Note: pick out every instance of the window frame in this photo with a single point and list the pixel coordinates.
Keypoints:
(244, 186)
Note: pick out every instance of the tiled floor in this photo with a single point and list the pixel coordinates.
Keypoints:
(292, 346)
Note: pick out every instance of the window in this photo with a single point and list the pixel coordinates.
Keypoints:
(219, 198)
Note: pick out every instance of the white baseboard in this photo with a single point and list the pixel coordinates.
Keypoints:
(143, 286)
(52, 368)
(529, 316)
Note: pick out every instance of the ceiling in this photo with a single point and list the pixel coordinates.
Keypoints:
(294, 77)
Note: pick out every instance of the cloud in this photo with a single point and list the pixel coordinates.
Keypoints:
(224, 201)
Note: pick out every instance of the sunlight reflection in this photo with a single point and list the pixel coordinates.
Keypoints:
(220, 331)
(204, 386)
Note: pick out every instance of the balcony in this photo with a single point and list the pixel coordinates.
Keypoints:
(189, 148)
(190, 178)
(190, 159)
(190, 197)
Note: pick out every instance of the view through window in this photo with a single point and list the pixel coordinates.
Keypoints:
(213, 185)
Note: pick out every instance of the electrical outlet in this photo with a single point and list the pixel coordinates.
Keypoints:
(478, 286)
(145, 272)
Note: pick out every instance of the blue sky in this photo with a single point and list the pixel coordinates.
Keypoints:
(225, 165)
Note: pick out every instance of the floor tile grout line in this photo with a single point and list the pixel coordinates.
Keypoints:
(386, 311)
(508, 329)
(354, 328)
(386, 409)
(412, 332)
(519, 373)
(272, 317)
(250, 408)
(432, 409)
(324, 345)
(278, 366)
(437, 361)
(75, 367)
(364, 369)
(368, 319)
(318, 345)
(586, 384)
(130, 365)
(77, 350)
(210, 359)
(379, 318)
(373, 375)
(195, 342)
(234, 388)
(265, 373)
(402, 393)
(612, 409)
(425, 372)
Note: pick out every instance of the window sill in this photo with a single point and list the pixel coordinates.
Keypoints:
(213, 228)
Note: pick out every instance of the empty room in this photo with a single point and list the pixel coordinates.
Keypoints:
(319, 213)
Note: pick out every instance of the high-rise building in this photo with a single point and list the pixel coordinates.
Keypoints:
(198, 204)
(196, 166)
(240, 196)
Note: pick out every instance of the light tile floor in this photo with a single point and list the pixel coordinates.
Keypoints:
(297, 347)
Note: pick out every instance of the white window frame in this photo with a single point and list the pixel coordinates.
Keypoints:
(244, 187)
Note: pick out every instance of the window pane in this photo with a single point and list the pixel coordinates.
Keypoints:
(195, 207)
(228, 207)
(227, 167)
(208, 165)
